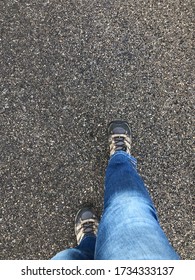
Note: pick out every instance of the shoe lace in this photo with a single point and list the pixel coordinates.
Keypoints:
(121, 142)
(88, 226)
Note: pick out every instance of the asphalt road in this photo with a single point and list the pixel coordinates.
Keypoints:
(67, 68)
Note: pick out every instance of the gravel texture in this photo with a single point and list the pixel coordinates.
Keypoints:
(67, 68)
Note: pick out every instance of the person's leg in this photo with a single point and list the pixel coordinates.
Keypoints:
(84, 251)
(129, 228)
(86, 224)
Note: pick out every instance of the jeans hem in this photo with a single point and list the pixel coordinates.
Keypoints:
(126, 155)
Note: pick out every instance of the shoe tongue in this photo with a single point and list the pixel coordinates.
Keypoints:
(118, 130)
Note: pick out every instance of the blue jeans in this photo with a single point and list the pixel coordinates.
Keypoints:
(129, 228)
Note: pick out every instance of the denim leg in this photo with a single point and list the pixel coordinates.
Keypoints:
(84, 251)
(129, 228)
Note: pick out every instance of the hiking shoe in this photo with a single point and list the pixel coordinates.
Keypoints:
(86, 223)
(119, 137)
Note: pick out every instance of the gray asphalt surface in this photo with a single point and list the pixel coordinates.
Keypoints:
(67, 69)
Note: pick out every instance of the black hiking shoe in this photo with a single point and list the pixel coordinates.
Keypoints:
(119, 137)
(86, 223)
